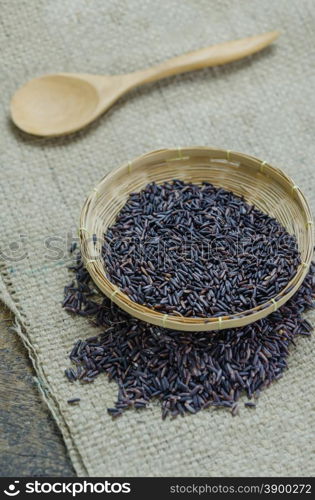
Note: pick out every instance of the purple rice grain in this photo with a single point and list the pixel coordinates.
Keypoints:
(73, 401)
(249, 404)
(185, 371)
(73, 247)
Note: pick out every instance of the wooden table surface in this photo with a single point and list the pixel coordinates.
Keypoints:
(30, 442)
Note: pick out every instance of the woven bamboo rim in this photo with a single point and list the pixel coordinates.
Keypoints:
(261, 184)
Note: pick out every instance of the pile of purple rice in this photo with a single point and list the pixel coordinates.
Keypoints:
(186, 371)
(197, 251)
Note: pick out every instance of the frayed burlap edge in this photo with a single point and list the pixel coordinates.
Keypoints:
(21, 327)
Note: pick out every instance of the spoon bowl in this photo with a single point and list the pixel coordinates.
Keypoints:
(63, 103)
(54, 105)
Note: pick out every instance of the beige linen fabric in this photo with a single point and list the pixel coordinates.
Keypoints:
(262, 106)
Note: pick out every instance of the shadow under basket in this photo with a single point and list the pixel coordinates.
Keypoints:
(266, 187)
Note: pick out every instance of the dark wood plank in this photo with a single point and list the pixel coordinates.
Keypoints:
(30, 442)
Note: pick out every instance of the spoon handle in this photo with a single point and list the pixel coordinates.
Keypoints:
(209, 56)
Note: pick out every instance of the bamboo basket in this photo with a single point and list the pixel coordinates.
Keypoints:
(261, 184)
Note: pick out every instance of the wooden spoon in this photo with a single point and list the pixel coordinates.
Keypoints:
(62, 103)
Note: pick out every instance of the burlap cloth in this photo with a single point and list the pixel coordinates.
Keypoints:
(262, 106)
